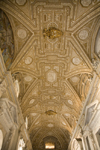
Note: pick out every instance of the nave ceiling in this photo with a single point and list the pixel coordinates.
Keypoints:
(53, 62)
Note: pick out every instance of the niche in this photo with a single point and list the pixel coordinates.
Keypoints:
(88, 144)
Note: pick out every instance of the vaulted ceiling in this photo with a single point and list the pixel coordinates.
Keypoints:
(52, 63)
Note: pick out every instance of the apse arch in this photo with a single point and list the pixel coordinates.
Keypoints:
(45, 133)
(6, 39)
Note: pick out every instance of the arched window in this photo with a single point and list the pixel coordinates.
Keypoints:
(49, 146)
(1, 139)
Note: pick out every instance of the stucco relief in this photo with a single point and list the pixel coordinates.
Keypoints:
(75, 79)
(28, 60)
(50, 125)
(51, 76)
(86, 3)
(83, 34)
(21, 2)
(95, 63)
(67, 115)
(28, 78)
(21, 33)
(76, 61)
(70, 102)
(51, 29)
(33, 114)
(32, 101)
(57, 59)
(75, 145)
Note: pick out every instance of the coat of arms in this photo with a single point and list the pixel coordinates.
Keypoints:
(52, 33)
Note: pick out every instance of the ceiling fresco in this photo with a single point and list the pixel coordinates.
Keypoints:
(6, 39)
(53, 63)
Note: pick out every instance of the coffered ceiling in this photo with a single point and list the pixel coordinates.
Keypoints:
(52, 62)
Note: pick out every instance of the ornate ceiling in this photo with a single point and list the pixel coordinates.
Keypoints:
(52, 62)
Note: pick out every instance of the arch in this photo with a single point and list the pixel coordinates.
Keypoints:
(6, 39)
(1, 139)
(50, 141)
(94, 38)
(97, 43)
(76, 145)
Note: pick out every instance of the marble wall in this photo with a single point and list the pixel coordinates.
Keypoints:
(88, 126)
(12, 124)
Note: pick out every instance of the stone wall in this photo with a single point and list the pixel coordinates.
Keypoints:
(86, 135)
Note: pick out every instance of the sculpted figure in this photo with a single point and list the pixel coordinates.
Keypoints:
(21, 144)
(95, 63)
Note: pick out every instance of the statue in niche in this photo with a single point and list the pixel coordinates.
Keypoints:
(52, 33)
(16, 86)
(21, 144)
(16, 80)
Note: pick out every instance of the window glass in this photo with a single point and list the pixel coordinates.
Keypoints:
(49, 146)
